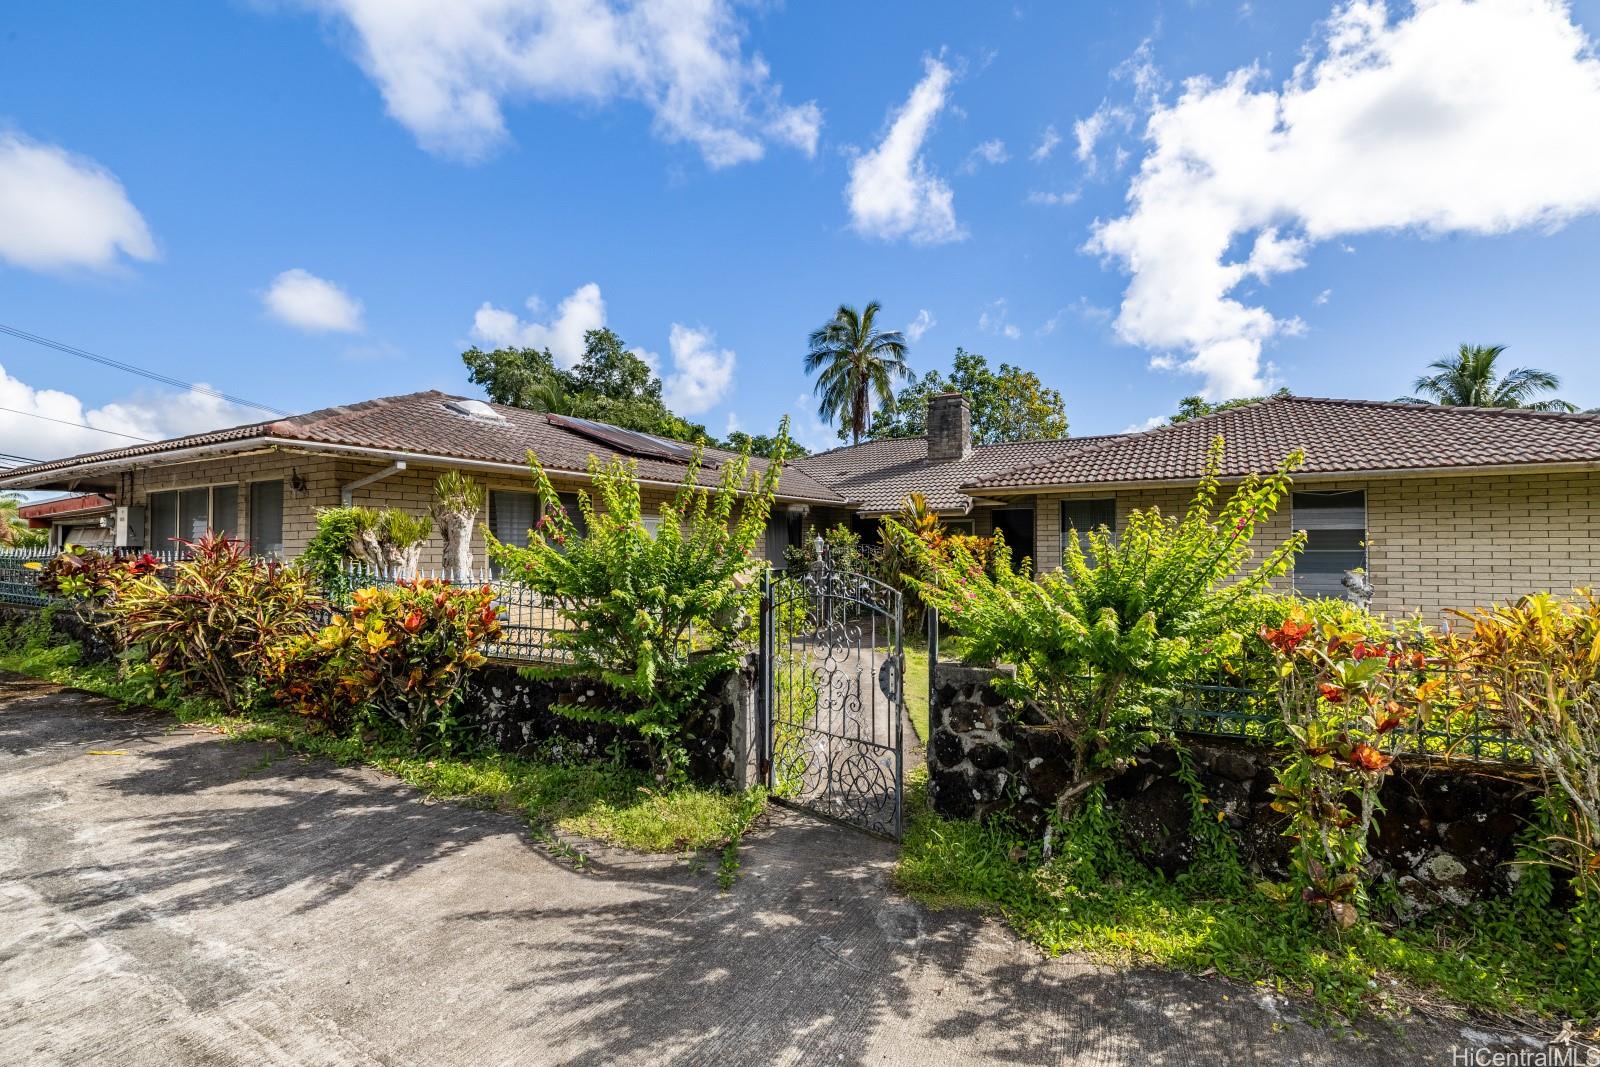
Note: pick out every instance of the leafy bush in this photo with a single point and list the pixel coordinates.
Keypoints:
(1340, 695)
(211, 625)
(632, 599)
(386, 542)
(1131, 613)
(402, 652)
(87, 579)
(1534, 666)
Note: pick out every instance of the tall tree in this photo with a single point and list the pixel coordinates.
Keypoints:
(1010, 404)
(609, 384)
(1469, 378)
(763, 445)
(856, 365)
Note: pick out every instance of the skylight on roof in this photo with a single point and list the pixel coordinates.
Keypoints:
(628, 442)
(474, 409)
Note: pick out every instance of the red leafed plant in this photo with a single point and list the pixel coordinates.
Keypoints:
(402, 653)
(1340, 695)
(210, 625)
(87, 579)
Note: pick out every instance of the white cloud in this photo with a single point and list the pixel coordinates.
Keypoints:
(1048, 142)
(701, 372)
(1153, 422)
(732, 425)
(1472, 118)
(446, 69)
(893, 193)
(306, 302)
(49, 428)
(1087, 132)
(995, 319)
(920, 325)
(59, 210)
(1049, 199)
(1323, 297)
(809, 429)
(582, 311)
(992, 152)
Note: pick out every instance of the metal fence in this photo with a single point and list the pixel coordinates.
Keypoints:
(1464, 731)
(527, 620)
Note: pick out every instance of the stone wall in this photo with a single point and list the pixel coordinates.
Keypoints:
(513, 712)
(1446, 834)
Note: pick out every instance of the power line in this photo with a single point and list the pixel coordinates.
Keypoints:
(79, 425)
(24, 335)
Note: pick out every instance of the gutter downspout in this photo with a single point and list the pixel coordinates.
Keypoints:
(347, 493)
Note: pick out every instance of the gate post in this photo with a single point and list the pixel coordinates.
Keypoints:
(767, 639)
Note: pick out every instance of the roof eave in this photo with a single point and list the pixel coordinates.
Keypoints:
(1298, 476)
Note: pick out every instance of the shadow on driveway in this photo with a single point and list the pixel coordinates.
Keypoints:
(196, 900)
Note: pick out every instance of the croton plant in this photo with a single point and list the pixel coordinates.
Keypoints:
(1341, 696)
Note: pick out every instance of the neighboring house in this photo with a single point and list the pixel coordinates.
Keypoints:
(1444, 507)
(264, 482)
(81, 519)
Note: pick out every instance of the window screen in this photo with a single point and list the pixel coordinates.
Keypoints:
(958, 526)
(511, 516)
(194, 513)
(266, 518)
(1080, 516)
(1336, 533)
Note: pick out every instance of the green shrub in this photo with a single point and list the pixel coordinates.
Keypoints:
(1130, 614)
(210, 626)
(633, 599)
(402, 654)
(87, 579)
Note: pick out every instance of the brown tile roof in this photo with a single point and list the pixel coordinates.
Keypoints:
(1338, 437)
(879, 474)
(423, 424)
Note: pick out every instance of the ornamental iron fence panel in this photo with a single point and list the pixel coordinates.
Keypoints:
(832, 662)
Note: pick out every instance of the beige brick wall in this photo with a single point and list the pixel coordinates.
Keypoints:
(1440, 543)
(1433, 543)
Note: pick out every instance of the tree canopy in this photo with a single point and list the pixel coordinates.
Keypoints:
(1195, 407)
(1469, 378)
(609, 384)
(1009, 404)
(856, 365)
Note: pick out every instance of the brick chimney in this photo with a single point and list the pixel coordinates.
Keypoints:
(949, 427)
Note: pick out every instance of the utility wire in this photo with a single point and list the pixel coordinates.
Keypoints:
(79, 425)
(24, 335)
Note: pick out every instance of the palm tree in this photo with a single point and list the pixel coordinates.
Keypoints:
(1468, 379)
(11, 525)
(856, 362)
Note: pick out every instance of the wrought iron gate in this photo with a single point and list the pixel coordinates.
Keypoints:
(834, 708)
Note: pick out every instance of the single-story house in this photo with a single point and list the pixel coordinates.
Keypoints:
(263, 482)
(78, 519)
(1442, 506)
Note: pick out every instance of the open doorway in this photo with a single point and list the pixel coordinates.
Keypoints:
(1016, 526)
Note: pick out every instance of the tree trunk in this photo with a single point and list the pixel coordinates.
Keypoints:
(457, 530)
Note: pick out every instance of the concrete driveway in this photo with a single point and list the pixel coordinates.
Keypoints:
(198, 901)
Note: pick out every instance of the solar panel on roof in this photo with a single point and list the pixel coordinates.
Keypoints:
(628, 442)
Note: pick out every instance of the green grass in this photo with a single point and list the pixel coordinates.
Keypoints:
(1094, 900)
(597, 800)
(917, 690)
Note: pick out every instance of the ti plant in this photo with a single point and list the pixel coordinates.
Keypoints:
(87, 580)
(1341, 695)
(654, 616)
(1090, 641)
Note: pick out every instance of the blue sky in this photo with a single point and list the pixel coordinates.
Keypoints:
(724, 191)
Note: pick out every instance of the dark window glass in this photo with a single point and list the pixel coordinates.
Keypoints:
(194, 513)
(1081, 516)
(225, 510)
(163, 521)
(266, 518)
